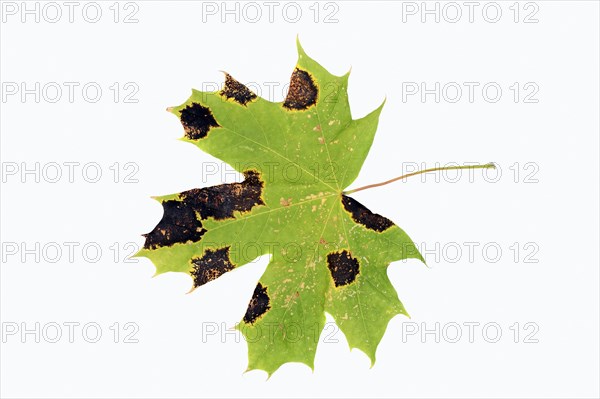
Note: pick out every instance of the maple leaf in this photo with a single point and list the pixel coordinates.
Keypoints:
(328, 253)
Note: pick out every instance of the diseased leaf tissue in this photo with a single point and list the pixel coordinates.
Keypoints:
(328, 253)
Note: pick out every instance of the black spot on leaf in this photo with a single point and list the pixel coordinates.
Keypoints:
(259, 304)
(360, 214)
(220, 202)
(178, 224)
(197, 121)
(302, 92)
(182, 218)
(237, 91)
(211, 265)
(343, 267)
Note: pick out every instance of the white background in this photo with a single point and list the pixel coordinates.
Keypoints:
(169, 51)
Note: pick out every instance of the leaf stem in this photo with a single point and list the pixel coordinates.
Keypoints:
(490, 165)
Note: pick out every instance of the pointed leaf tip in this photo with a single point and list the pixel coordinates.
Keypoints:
(301, 51)
(347, 74)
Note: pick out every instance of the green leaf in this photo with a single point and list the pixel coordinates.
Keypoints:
(328, 253)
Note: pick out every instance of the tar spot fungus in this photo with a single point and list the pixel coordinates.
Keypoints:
(237, 91)
(302, 92)
(259, 304)
(178, 224)
(197, 121)
(211, 265)
(360, 214)
(220, 202)
(182, 218)
(343, 267)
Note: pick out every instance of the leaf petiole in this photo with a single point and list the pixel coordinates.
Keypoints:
(490, 165)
